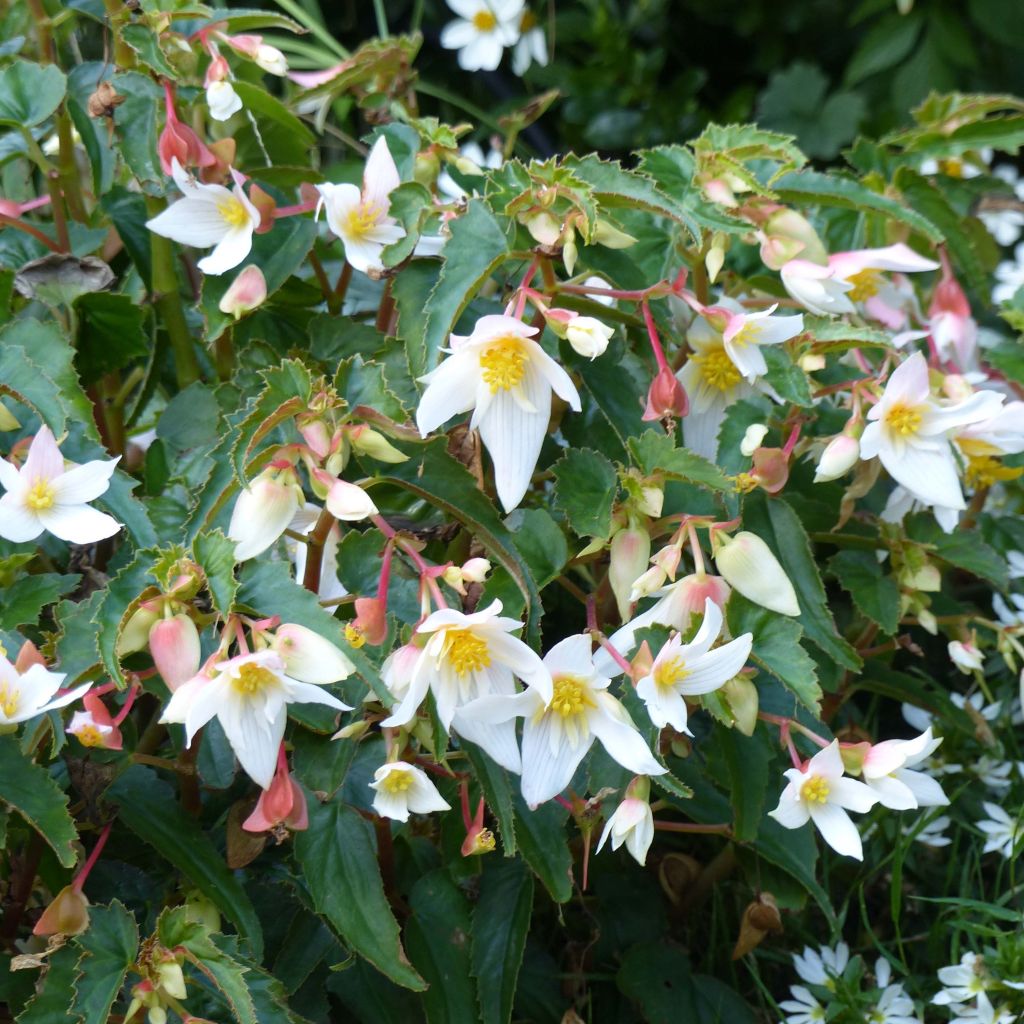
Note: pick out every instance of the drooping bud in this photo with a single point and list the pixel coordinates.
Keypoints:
(665, 397)
(967, 658)
(309, 656)
(611, 237)
(588, 336)
(367, 441)
(169, 976)
(263, 511)
(760, 917)
(771, 469)
(344, 501)
(544, 228)
(135, 634)
(174, 645)
(68, 914)
(222, 100)
(749, 566)
(283, 803)
(247, 292)
(630, 553)
(841, 454)
(742, 697)
(8, 421)
(647, 583)
(178, 142)
(668, 558)
(370, 623)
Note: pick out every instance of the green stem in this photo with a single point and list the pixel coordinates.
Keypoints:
(167, 299)
(224, 354)
(117, 13)
(70, 185)
(382, 19)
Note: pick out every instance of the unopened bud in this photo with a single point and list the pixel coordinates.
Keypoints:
(8, 421)
(68, 914)
(247, 292)
(839, 457)
(543, 227)
(135, 635)
(665, 397)
(967, 658)
(174, 645)
(588, 336)
(345, 501)
(611, 237)
(309, 656)
(749, 566)
(752, 438)
(742, 697)
(714, 261)
(367, 441)
(263, 511)
(630, 553)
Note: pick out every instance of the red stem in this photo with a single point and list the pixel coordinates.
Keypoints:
(82, 875)
(652, 333)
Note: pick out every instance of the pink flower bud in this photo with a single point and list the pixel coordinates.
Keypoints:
(68, 914)
(218, 71)
(838, 458)
(630, 553)
(178, 142)
(174, 645)
(665, 397)
(667, 559)
(771, 469)
(370, 623)
(283, 803)
(345, 501)
(476, 570)
(246, 293)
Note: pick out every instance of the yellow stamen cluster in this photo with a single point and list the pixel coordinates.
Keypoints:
(670, 672)
(903, 419)
(815, 790)
(467, 652)
(747, 335)
(570, 696)
(484, 21)
(397, 781)
(354, 635)
(233, 212)
(252, 678)
(362, 219)
(503, 364)
(866, 284)
(744, 483)
(9, 699)
(718, 369)
(984, 471)
(89, 736)
(40, 495)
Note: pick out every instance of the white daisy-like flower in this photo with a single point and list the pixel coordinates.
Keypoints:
(802, 1008)
(1003, 832)
(823, 965)
(531, 47)
(481, 31)
(963, 981)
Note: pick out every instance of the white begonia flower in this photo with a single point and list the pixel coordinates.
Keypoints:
(44, 495)
(588, 337)
(558, 734)
(531, 47)
(470, 656)
(819, 793)
(966, 657)
(360, 217)
(1003, 832)
(31, 693)
(631, 823)
(502, 374)
(482, 31)
(222, 100)
(963, 981)
(688, 670)
(886, 770)
(1010, 275)
(822, 966)
(910, 433)
(1005, 226)
(331, 588)
(1006, 615)
(802, 1008)
(816, 287)
(402, 789)
(1001, 433)
(249, 695)
(209, 215)
(1015, 564)
(745, 333)
(713, 382)
(264, 510)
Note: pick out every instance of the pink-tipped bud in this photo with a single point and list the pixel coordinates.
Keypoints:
(263, 511)
(771, 469)
(667, 559)
(174, 645)
(839, 457)
(283, 803)
(749, 566)
(666, 397)
(318, 434)
(247, 292)
(344, 501)
(476, 570)
(630, 553)
(68, 914)
(742, 697)
(967, 658)
(308, 656)
(218, 71)
(647, 583)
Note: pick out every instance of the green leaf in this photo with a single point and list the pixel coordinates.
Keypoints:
(775, 522)
(786, 377)
(245, 19)
(876, 595)
(1008, 359)
(795, 851)
(540, 541)
(25, 598)
(542, 840)
(654, 452)
(964, 549)
(31, 791)
(51, 1000)
(802, 187)
(888, 42)
(174, 930)
(147, 805)
(498, 792)
(30, 93)
(110, 334)
(109, 948)
(119, 602)
(437, 934)
(136, 121)
(776, 648)
(747, 760)
(28, 382)
(337, 854)
(585, 487)
(146, 44)
(216, 554)
(476, 248)
(366, 383)
(501, 922)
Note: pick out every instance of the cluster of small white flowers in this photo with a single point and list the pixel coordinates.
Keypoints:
(972, 994)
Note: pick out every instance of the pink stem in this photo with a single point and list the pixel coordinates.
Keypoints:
(615, 655)
(128, 702)
(652, 333)
(82, 875)
(385, 572)
(291, 211)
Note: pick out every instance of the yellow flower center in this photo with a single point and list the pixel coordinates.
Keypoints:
(252, 678)
(483, 841)
(233, 212)
(40, 495)
(503, 364)
(903, 419)
(952, 168)
(397, 781)
(362, 219)
(747, 335)
(718, 369)
(9, 699)
(527, 22)
(865, 284)
(571, 696)
(984, 471)
(744, 483)
(670, 672)
(89, 736)
(354, 635)
(467, 652)
(484, 21)
(815, 790)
